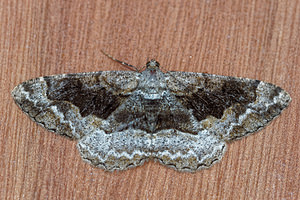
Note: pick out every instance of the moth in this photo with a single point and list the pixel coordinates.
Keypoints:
(123, 118)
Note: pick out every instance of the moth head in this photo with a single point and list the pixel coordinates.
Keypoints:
(152, 64)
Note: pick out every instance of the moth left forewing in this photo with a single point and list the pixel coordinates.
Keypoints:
(73, 104)
(228, 107)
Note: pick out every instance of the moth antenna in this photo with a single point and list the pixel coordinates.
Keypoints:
(121, 62)
(163, 69)
(141, 68)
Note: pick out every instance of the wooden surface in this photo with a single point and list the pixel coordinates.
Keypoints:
(257, 39)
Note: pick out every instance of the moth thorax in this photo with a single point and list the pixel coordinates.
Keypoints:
(152, 105)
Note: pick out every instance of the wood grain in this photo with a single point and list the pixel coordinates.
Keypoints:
(256, 39)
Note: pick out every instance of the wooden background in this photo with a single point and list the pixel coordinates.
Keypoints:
(257, 39)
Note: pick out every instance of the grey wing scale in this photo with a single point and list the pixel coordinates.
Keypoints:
(228, 107)
(187, 152)
(116, 151)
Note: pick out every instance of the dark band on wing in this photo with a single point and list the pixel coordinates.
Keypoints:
(231, 92)
(97, 100)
